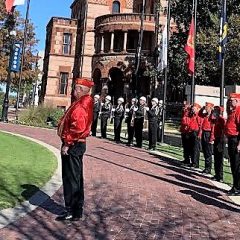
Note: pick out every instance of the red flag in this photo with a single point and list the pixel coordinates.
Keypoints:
(9, 5)
(190, 48)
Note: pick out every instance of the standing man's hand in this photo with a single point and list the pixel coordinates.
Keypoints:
(64, 150)
(238, 147)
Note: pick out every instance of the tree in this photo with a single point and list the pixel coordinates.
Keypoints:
(208, 71)
(29, 72)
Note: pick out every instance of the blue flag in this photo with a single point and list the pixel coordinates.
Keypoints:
(223, 31)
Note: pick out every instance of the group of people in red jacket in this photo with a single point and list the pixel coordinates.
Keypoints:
(206, 128)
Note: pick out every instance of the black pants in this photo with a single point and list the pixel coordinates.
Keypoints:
(207, 149)
(138, 130)
(94, 124)
(152, 134)
(234, 161)
(218, 151)
(194, 148)
(72, 175)
(104, 120)
(130, 130)
(117, 128)
(186, 147)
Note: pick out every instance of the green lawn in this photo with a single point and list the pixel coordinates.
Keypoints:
(25, 166)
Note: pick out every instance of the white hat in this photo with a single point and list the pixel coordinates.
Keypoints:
(155, 100)
(160, 101)
(134, 99)
(121, 99)
(143, 99)
(96, 96)
(108, 98)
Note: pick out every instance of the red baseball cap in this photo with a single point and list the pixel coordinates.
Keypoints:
(234, 95)
(208, 104)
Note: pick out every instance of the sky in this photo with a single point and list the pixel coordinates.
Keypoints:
(41, 12)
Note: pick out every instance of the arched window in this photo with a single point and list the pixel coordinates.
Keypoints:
(116, 7)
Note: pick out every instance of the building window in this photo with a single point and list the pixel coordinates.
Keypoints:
(116, 7)
(63, 84)
(67, 41)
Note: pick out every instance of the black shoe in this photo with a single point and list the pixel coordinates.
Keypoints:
(185, 162)
(192, 165)
(65, 217)
(232, 192)
(205, 171)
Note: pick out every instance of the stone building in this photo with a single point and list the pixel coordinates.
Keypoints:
(99, 42)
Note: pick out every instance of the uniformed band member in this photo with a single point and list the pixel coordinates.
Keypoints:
(232, 131)
(105, 113)
(153, 117)
(73, 129)
(130, 121)
(218, 149)
(96, 110)
(118, 115)
(139, 113)
(159, 130)
(207, 136)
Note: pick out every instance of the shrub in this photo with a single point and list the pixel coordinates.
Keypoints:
(40, 116)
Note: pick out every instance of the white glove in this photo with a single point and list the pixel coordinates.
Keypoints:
(147, 108)
(102, 104)
(127, 110)
(135, 109)
(113, 109)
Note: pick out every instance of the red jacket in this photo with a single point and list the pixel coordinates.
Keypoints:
(195, 123)
(76, 123)
(184, 121)
(219, 127)
(232, 127)
(207, 124)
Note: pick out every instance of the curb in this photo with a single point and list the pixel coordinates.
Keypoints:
(220, 186)
(10, 215)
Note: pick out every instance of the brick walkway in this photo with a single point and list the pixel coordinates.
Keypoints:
(131, 195)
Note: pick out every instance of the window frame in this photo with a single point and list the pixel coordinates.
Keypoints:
(63, 86)
(67, 44)
(116, 4)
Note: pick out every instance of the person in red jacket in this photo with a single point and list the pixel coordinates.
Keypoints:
(73, 129)
(184, 133)
(218, 149)
(232, 131)
(207, 136)
(195, 123)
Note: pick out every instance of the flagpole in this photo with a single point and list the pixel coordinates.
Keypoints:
(23, 56)
(166, 74)
(194, 43)
(139, 48)
(223, 60)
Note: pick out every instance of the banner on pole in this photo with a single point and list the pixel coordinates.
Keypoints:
(11, 3)
(15, 59)
(190, 48)
(163, 51)
(223, 31)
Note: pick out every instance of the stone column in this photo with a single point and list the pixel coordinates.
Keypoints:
(102, 43)
(112, 41)
(125, 42)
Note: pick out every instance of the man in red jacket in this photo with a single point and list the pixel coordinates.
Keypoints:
(195, 123)
(184, 134)
(73, 129)
(232, 131)
(207, 136)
